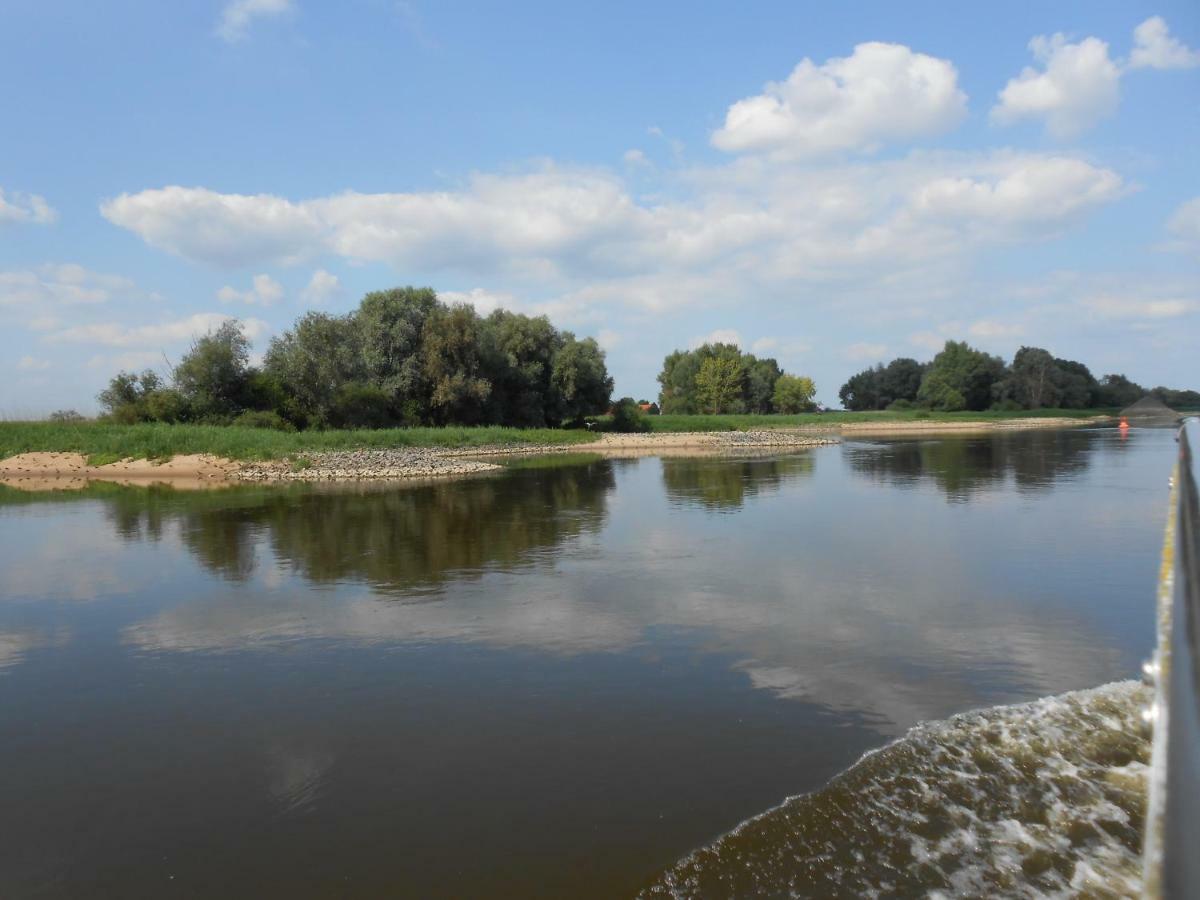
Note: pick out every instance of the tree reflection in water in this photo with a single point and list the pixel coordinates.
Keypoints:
(721, 483)
(392, 536)
(963, 467)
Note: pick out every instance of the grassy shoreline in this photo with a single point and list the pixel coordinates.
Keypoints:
(673, 423)
(103, 442)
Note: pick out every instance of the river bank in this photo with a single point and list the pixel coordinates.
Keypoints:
(41, 470)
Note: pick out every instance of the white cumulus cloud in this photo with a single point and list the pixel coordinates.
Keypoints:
(222, 229)
(785, 348)
(131, 360)
(881, 92)
(59, 284)
(321, 288)
(264, 291)
(1133, 306)
(584, 231)
(1077, 87)
(21, 208)
(988, 328)
(238, 16)
(720, 336)
(1154, 48)
(484, 301)
(1053, 190)
(927, 340)
(115, 334)
(863, 351)
(1184, 226)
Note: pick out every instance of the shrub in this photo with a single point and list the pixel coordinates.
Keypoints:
(125, 397)
(126, 414)
(627, 417)
(165, 405)
(901, 404)
(1008, 405)
(65, 416)
(359, 405)
(263, 418)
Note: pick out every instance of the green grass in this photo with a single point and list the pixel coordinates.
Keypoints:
(103, 442)
(551, 461)
(675, 423)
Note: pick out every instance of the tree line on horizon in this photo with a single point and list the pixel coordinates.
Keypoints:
(961, 377)
(402, 358)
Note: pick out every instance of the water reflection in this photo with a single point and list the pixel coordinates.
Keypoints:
(578, 673)
(963, 467)
(295, 776)
(725, 484)
(393, 538)
(855, 603)
(15, 644)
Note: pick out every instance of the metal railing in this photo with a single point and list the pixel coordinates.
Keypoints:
(1172, 851)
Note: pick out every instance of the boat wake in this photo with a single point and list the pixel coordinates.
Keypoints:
(1039, 799)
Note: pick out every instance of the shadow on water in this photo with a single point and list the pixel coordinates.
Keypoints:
(964, 467)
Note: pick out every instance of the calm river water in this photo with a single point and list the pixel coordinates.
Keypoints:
(556, 681)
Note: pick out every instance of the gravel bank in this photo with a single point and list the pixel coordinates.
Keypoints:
(426, 462)
(708, 440)
(357, 465)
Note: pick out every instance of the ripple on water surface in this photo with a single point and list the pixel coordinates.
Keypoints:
(1041, 799)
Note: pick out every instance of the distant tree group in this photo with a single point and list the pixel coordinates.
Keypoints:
(402, 358)
(720, 378)
(961, 377)
(1179, 400)
(881, 386)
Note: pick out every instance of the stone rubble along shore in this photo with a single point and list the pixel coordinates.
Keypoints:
(710, 440)
(432, 462)
(352, 465)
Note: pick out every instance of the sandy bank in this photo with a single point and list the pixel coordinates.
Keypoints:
(70, 471)
(980, 426)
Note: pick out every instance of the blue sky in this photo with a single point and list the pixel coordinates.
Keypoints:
(831, 185)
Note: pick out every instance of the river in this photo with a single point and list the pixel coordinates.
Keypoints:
(574, 677)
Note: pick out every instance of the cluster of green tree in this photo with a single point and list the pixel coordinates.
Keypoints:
(1178, 400)
(961, 377)
(720, 378)
(402, 358)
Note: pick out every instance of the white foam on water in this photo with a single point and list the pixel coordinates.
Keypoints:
(1041, 799)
